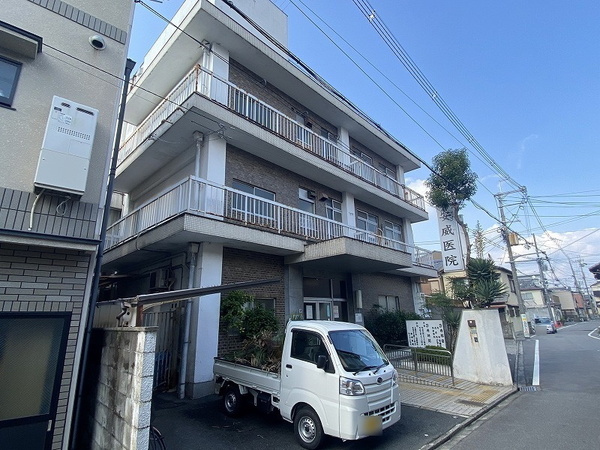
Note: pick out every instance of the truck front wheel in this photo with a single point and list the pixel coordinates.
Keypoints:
(308, 429)
(232, 401)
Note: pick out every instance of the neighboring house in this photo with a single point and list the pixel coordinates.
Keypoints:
(535, 302)
(595, 288)
(568, 303)
(52, 186)
(239, 164)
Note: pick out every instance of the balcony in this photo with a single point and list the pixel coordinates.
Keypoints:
(224, 206)
(219, 91)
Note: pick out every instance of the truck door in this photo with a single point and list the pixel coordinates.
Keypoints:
(302, 381)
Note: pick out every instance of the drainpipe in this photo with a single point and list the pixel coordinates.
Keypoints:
(199, 137)
(129, 65)
(193, 249)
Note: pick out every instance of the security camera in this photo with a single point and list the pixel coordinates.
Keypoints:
(97, 42)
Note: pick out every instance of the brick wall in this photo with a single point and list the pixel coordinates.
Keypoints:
(374, 285)
(265, 91)
(252, 170)
(241, 265)
(121, 408)
(34, 279)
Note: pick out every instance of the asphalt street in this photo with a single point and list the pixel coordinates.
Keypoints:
(201, 424)
(561, 413)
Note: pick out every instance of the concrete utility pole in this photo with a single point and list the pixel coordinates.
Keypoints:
(578, 287)
(511, 259)
(587, 289)
(546, 294)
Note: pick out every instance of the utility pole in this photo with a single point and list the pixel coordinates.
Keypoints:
(578, 287)
(511, 259)
(546, 294)
(587, 289)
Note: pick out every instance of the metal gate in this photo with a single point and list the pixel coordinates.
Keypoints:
(168, 342)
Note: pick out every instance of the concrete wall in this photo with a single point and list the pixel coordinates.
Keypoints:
(120, 414)
(480, 354)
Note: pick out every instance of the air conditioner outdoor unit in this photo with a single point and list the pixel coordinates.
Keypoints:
(67, 147)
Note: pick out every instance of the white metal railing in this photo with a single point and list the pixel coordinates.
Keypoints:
(197, 196)
(207, 84)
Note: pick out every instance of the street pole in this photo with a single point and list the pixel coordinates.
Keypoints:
(547, 299)
(511, 259)
(578, 287)
(587, 289)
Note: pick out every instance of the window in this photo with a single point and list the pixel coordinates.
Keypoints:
(252, 209)
(265, 303)
(389, 303)
(307, 346)
(9, 76)
(306, 200)
(333, 210)
(393, 233)
(366, 221)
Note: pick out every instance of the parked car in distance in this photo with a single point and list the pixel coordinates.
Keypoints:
(547, 322)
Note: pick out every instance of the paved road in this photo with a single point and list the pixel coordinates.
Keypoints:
(563, 413)
(200, 424)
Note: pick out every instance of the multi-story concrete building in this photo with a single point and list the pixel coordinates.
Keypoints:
(240, 164)
(61, 66)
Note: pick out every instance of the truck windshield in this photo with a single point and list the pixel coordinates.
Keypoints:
(357, 350)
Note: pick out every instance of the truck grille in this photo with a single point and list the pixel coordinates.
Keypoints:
(385, 412)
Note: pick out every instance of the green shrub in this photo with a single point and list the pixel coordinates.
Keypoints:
(256, 321)
(389, 327)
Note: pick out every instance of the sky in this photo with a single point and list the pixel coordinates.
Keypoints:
(522, 78)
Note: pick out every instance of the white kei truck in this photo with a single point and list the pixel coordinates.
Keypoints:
(334, 380)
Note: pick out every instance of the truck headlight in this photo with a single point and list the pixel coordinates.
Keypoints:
(395, 376)
(351, 387)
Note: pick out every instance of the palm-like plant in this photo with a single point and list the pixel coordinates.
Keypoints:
(484, 282)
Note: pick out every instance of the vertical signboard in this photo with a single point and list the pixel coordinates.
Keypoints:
(452, 255)
(423, 333)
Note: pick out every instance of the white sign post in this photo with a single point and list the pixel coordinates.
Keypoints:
(452, 254)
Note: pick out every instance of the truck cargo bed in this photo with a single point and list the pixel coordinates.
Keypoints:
(248, 376)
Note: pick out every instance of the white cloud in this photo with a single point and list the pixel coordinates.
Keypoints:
(523, 148)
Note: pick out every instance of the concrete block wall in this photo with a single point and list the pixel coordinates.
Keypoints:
(121, 414)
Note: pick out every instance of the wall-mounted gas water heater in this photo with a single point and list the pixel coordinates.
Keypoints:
(67, 147)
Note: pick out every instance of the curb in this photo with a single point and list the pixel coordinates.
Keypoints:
(461, 426)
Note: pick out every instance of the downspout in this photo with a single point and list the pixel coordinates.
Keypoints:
(129, 65)
(188, 322)
(199, 137)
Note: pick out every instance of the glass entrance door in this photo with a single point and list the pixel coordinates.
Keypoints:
(318, 310)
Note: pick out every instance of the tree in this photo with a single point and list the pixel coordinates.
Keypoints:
(479, 240)
(451, 184)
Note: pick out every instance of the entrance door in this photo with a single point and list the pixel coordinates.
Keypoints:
(318, 310)
(32, 353)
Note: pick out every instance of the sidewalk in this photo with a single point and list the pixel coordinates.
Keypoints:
(461, 398)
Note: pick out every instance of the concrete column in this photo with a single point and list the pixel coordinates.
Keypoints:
(204, 335)
(294, 304)
(217, 61)
(348, 209)
(344, 144)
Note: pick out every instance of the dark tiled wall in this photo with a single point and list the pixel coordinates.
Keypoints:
(35, 279)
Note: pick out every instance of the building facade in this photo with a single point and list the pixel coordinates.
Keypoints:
(240, 164)
(61, 70)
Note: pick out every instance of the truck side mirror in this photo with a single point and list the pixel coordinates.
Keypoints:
(321, 361)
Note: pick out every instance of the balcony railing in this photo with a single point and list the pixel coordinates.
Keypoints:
(207, 84)
(197, 196)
